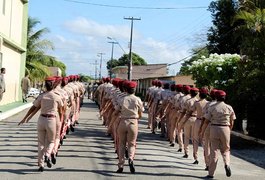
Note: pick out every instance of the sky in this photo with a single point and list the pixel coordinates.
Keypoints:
(79, 30)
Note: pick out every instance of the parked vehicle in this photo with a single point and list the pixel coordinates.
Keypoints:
(33, 92)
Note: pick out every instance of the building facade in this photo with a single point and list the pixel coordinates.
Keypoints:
(141, 71)
(13, 44)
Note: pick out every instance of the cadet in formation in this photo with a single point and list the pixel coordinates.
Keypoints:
(56, 105)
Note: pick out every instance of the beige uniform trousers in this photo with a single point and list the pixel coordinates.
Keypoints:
(58, 134)
(46, 133)
(127, 133)
(196, 139)
(206, 145)
(173, 124)
(188, 133)
(220, 140)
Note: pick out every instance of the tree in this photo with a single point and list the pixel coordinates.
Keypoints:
(251, 76)
(220, 35)
(37, 60)
(123, 61)
(197, 54)
(215, 71)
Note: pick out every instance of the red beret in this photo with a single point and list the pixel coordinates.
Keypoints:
(204, 91)
(104, 79)
(220, 93)
(159, 83)
(108, 79)
(131, 84)
(173, 86)
(194, 89)
(213, 91)
(186, 88)
(179, 86)
(65, 78)
(58, 78)
(153, 82)
(50, 79)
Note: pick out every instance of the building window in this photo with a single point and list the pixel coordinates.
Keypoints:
(3, 6)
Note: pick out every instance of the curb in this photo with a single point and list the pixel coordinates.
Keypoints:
(14, 111)
(260, 141)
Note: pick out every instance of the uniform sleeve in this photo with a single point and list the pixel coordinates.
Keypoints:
(140, 105)
(208, 115)
(232, 113)
(37, 102)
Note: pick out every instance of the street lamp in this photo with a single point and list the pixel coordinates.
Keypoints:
(112, 48)
(100, 65)
(114, 39)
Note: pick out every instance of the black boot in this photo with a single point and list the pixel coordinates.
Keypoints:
(228, 171)
(49, 164)
(41, 169)
(53, 159)
(120, 170)
(132, 169)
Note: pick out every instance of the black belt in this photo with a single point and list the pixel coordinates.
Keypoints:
(48, 115)
(219, 125)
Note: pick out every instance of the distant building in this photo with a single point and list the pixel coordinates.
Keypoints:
(142, 71)
(55, 71)
(13, 44)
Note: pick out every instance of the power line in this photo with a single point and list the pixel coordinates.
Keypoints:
(136, 7)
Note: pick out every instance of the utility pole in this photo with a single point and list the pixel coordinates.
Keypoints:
(130, 52)
(96, 69)
(112, 48)
(100, 64)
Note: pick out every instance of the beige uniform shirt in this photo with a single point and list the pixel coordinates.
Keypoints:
(49, 103)
(189, 106)
(220, 114)
(199, 106)
(131, 107)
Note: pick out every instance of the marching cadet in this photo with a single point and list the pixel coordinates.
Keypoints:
(221, 116)
(50, 105)
(59, 119)
(189, 120)
(198, 106)
(174, 114)
(149, 99)
(117, 104)
(69, 102)
(204, 131)
(182, 111)
(161, 111)
(155, 105)
(168, 110)
(130, 112)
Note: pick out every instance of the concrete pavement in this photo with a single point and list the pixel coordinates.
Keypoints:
(88, 154)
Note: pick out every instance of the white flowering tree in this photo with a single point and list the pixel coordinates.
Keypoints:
(217, 70)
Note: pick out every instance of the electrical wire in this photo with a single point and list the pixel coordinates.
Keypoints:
(135, 7)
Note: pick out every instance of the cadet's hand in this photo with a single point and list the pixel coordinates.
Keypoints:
(21, 122)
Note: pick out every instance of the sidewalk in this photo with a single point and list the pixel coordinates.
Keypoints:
(13, 108)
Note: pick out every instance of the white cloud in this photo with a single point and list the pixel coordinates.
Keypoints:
(79, 47)
(91, 28)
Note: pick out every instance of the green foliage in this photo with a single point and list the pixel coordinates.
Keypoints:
(197, 54)
(123, 61)
(216, 71)
(37, 61)
(85, 78)
(221, 36)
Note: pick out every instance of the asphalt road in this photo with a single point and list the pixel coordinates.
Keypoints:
(88, 154)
